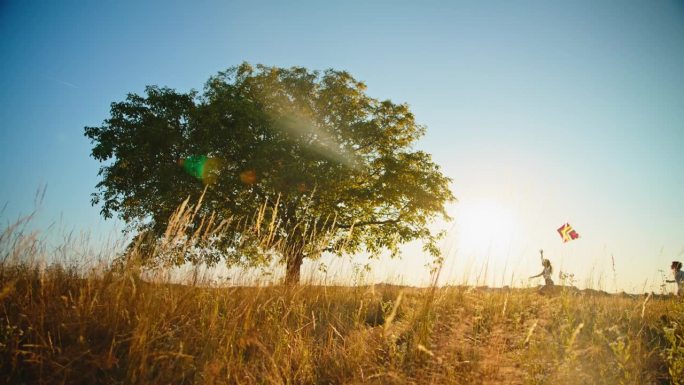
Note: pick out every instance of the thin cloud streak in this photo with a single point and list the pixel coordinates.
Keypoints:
(62, 82)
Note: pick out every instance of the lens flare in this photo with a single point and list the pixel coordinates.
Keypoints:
(202, 167)
(302, 187)
(248, 177)
(316, 138)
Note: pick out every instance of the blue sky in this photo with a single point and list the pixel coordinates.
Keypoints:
(541, 112)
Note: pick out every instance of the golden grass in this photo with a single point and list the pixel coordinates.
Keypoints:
(65, 325)
(60, 326)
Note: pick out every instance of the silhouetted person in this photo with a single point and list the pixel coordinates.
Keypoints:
(678, 277)
(546, 273)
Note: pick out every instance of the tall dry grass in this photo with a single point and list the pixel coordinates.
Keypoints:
(125, 324)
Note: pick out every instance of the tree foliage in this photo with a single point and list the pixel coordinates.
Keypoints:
(337, 166)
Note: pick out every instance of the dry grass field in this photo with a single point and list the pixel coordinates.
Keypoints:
(61, 324)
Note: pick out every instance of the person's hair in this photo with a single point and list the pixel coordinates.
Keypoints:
(676, 265)
(546, 262)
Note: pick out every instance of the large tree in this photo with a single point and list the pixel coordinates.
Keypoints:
(337, 166)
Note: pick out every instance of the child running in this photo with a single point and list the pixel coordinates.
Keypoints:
(678, 277)
(546, 273)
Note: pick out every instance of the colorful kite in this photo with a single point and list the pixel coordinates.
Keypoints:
(567, 233)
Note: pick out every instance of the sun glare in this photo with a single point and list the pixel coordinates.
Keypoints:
(483, 228)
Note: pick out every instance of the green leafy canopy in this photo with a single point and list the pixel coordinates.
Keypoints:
(337, 162)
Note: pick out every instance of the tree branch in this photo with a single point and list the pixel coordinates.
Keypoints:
(367, 223)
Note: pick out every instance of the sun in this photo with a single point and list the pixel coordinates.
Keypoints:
(483, 228)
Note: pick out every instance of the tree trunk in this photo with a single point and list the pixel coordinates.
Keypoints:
(293, 268)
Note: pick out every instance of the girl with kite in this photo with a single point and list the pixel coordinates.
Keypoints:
(546, 273)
